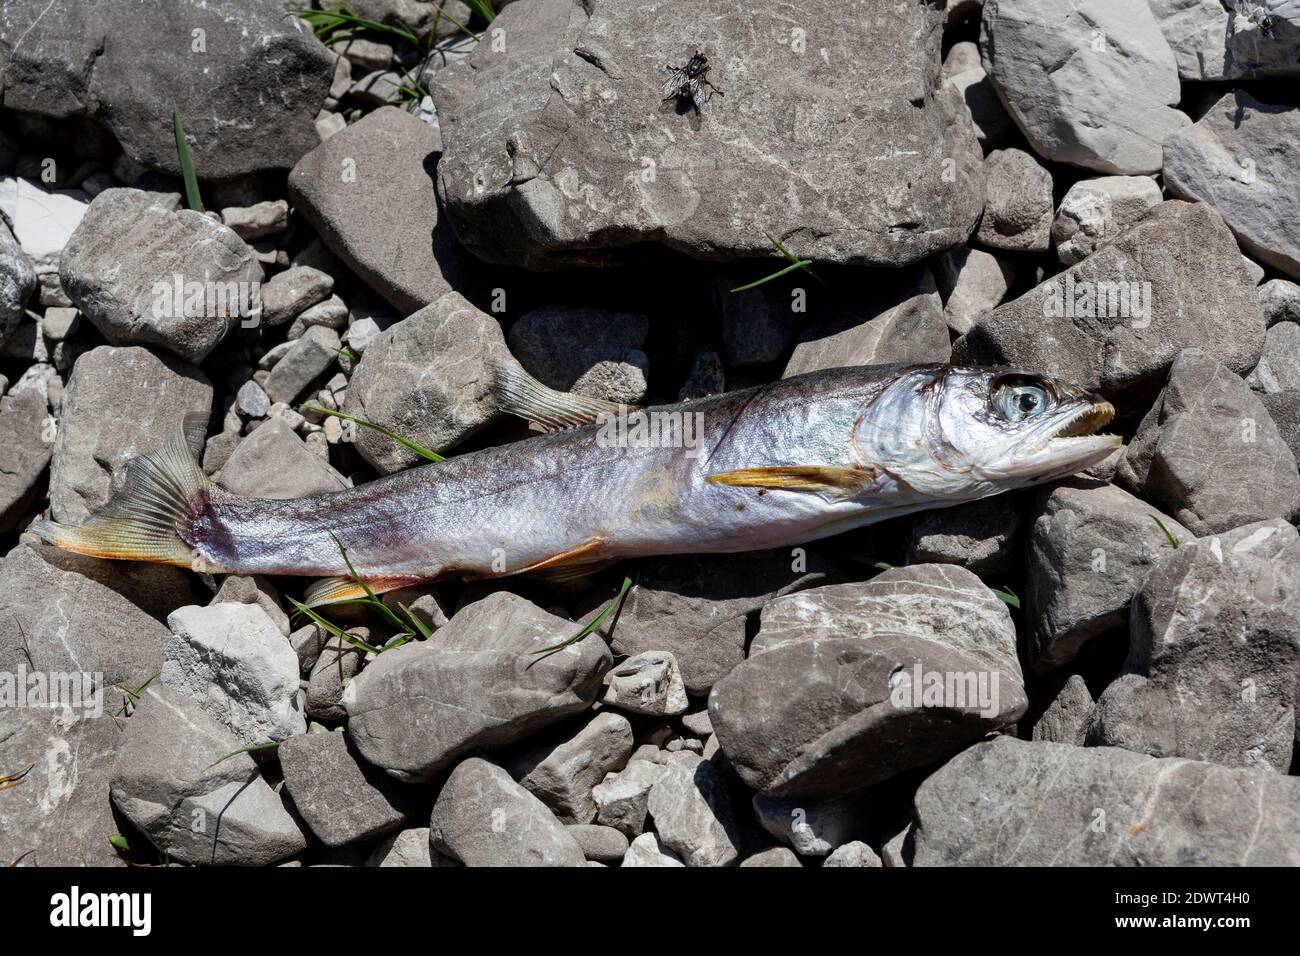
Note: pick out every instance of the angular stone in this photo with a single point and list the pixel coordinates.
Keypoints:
(273, 462)
(291, 292)
(343, 799)
(346, 189)
(1090, 547)
(698, 607)
(17, 281)
(1279, 367)
(544, 178)
(1209, 454)
(1284, 409)
(599, 843)
(42, 219)
(233, 660)
(308, 358)
(144, 274)
(773, 856)
(965, 73)
(692, 814)
(179, 780)
(1278, 298)
(647, 683)
(561, 770)
(1045, 803)
(478, 686)
(1213, 654)
(26, 444)
(483, 818)
(856, 853)
(409, 847)
(979, 536)
(649, 850)
(622, 798)
(119, 403)
(1213, 41)
(1065, 720)
(1236, 159)
(258, 220)
(1094, 84)
(904, 324)
(812, 827)
(429, 378)
(973, 283)
(580, 349)
(257, 72)
(1115, 321)
(1095, 211)
(331, 676)
(1017, 203)
(253, 589)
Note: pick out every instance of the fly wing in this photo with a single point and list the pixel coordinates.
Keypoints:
(673, 87)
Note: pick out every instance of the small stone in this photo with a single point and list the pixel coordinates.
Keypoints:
(812, 827)
(692, 814)
(257, 221)
(599, 843)
(273, 462)
(1018, 203)
(648, 850)
(252, 400)
(622, 799)
(332, 313)
(647, 683)
(309, 357)
(1095, 211)
(561, 771)
(856, 853)
(409, 847)
(773, 856)
(289, 293)
(973, 283)
(1066, 719)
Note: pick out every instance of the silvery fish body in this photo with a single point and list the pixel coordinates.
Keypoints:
(777, 465)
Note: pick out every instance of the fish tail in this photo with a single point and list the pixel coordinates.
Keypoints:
(152, 516)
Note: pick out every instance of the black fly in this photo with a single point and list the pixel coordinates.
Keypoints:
(690, 84)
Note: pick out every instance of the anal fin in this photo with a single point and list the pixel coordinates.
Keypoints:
(572, 562)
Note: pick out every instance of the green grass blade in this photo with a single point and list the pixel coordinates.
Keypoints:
(595, 622)
(483, 8)
(420, 627)
(797, 264)
(420, 450)
(192, 198)
(1006, 596)
(1173, 542)
(241, 750)
(119, 842)
(334, 629)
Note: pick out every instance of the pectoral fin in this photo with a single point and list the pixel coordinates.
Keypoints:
(522, 395)
(585, 556)
(821, 479)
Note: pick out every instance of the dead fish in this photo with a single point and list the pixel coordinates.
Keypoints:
(772, 466)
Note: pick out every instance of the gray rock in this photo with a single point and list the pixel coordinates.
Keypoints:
(593, 352)
(698, 607)
(478, 686)
(253, 589)
(698, 723)
(273, 462)
(17, 281)
(1234, 159)
(848, 685)
(1115, 321)
(979, 536)
(1065, 720)
(1090, 547)
(622, 799)
(812, 827)
(143, 274)
(416, 15)
(1095, 211)
(1279, 367)
(42, 220)
(543, 178)
(483, 818)
(379, 88)
(1213, 41)
(246, 79)
(647, 683)
(26, 443)
(290, 293)
(409, 847)
(429, 378)
(561, 770)
(1213, 654)
(252, 400)
(599, 843)
(649, 850)
(367, 55)
(1093, 84)
(119, 403)
(692, 814)
(259, 220)
(341, 797)
(856, 853)
(1209, 454)
(308, 642)
(346, 189)
(773, 856)
(973, 282)
(1284, 409)
(234, 662)
(1278, 298)
(1017, 203)
(758, 325)
(965, 73)
(171, 781)
(1059, 805)
(904, 324)
(309, 358)
(332, 675)
(332, 313)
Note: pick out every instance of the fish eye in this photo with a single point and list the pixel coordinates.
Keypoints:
(1019, 398)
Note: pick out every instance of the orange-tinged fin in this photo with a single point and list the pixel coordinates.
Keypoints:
(585, 554)
(817, 478)
(149, 517)
(333, 590)
(522, 395)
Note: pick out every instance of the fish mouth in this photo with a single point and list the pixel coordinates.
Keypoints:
(1086, 421)
(1072, 444)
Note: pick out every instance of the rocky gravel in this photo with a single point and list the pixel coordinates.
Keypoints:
(1100, 671)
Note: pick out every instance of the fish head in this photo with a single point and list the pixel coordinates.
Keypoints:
(962, 432)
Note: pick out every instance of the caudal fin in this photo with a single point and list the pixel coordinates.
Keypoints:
(150, 517)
